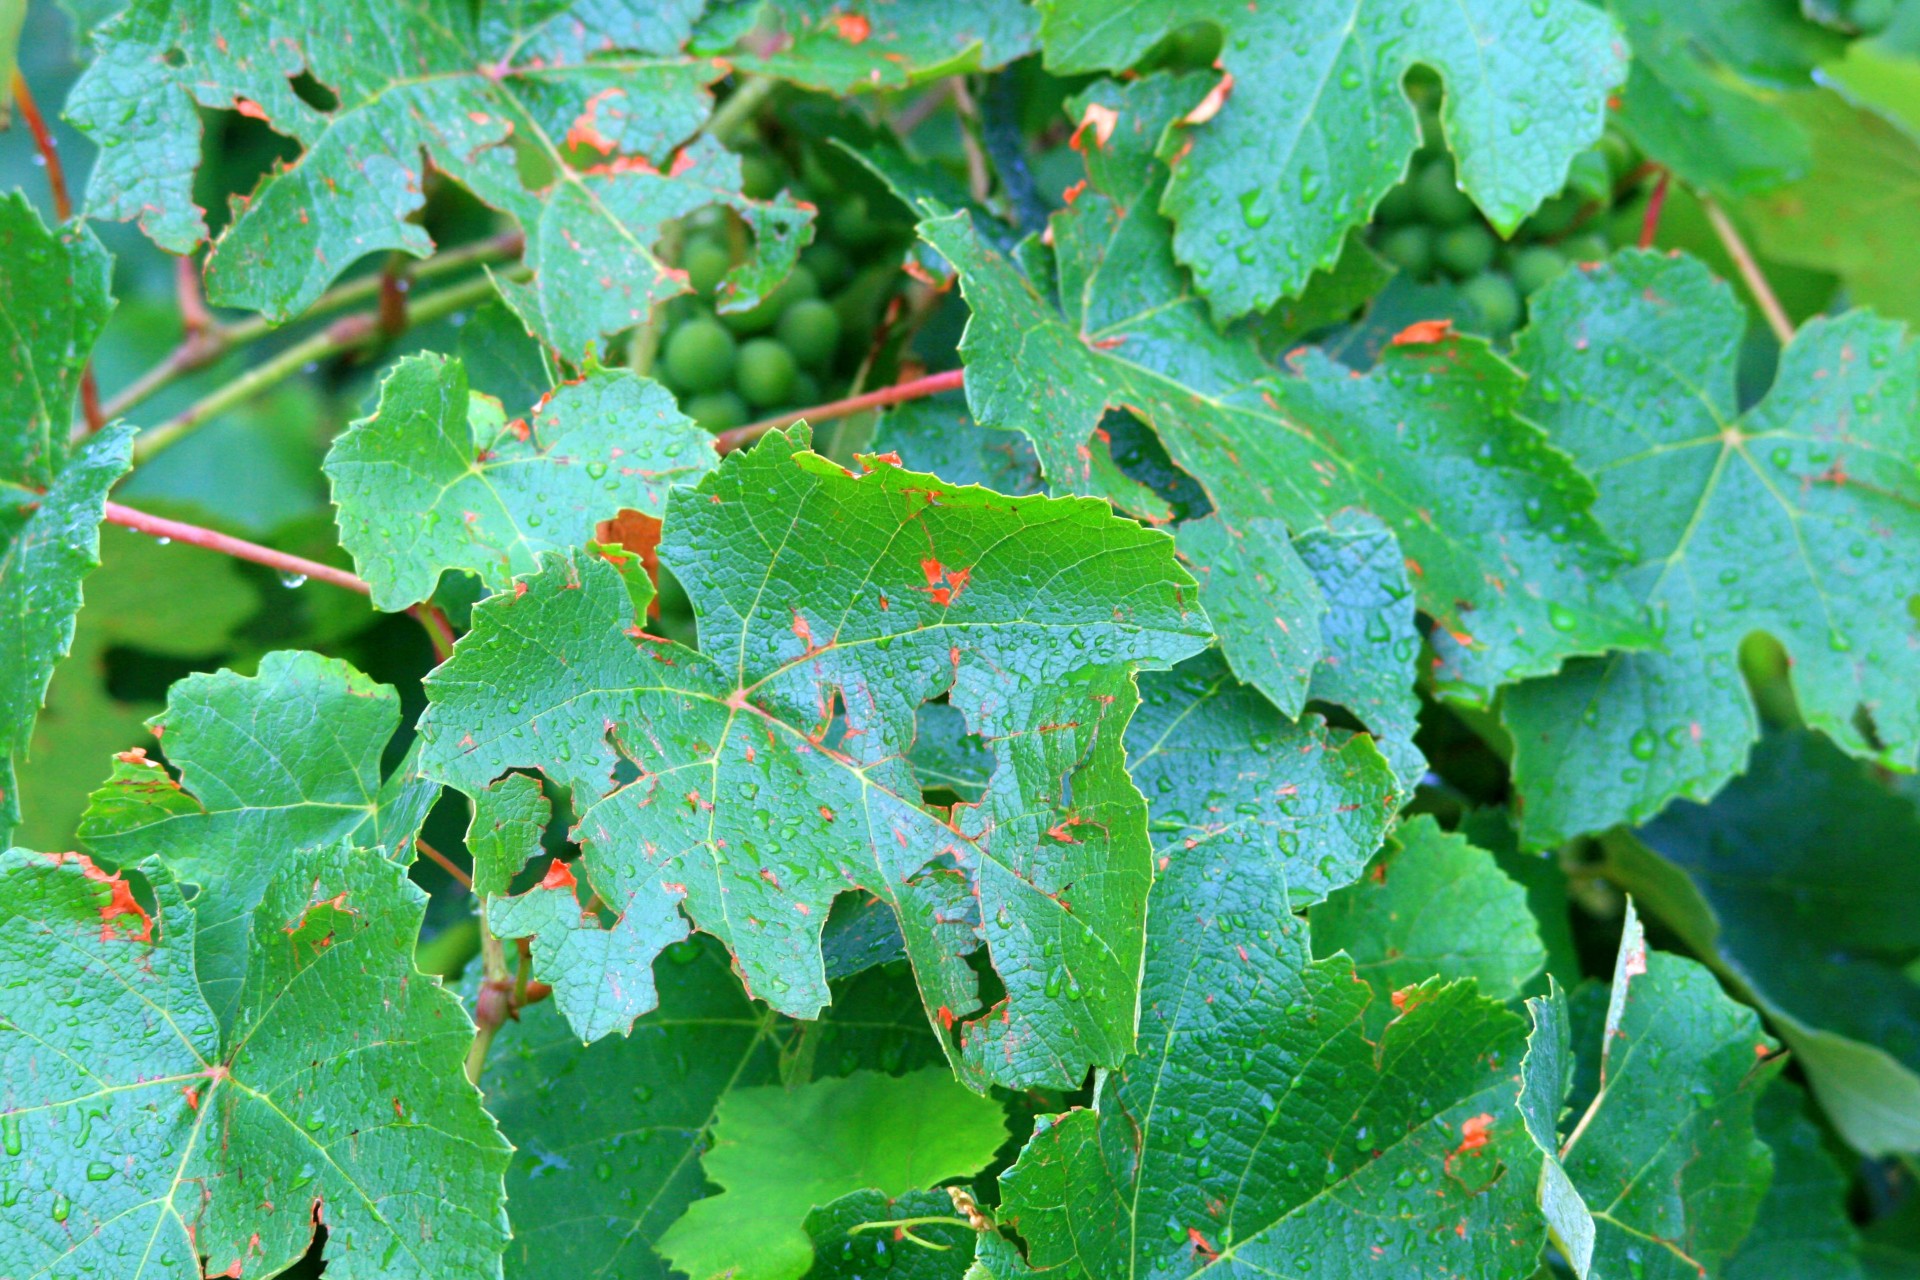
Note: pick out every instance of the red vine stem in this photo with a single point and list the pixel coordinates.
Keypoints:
(1656, 204)
(445, 863)
(62, 210)
(914, 389)
(194, 535)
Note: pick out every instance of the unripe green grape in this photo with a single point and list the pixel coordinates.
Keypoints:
(699, 356)
(764, 372)
(1438, 199)
(1534, 265)
(1494, 301)
(850, 221)
(1622, 158)
(1586, 247)
(1555, 216)
(758, 319)
(760, 177)
(1396, 207)
(810, 329)
(827, 263)
(1410, 249)
(706, 262)
(806, 389)
(1465, 250)
(717, 410)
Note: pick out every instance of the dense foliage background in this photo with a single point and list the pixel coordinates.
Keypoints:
(784, 638)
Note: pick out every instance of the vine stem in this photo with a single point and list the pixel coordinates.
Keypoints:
(899, 393)
(198, 349)
(445, 863)
(344, 334)
(62, 210)
(239, 548)
(1656, 204)
(1750, 272)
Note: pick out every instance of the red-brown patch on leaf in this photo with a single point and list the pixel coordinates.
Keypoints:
(1198, 1244)
(559, 876)
(120, 901)
(638, 532)
(1100, 119)
(1209, 106)
(1422, 332)
(585, 129)
(851, 27)
(1074, 192)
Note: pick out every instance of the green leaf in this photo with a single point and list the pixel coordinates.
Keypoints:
(1432, 905)
(1802, 1231)
(778, 1153)
(1509, 562)
(846, 1246)
(769, 770)
(1664, 1151)
(609, 1135)
(1799, 883)
(272, 767)
(152, 1141)
(887, 44)
(566, 117)
(1546, 1079)
(439, 479)
(54, 299)
(939, 436)
(1317, 127)
(49, 542)
(1710, 92)
(1224, 771)
(175, 602)
(1788, 519)
(1265, 605)
(1262, 1130)
(1850, 212)
(504, 834)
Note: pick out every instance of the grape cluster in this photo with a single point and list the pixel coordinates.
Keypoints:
(802, 342)
(1431, 231)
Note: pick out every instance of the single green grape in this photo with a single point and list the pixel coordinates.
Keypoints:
(1493, 300)
(761, 177)
(810, 329)
(1534, 265)
(1622, 157)
(764, 372)
(1396, 207)
(1555, 216)
(699, 356)
(717, 410)
(1409, 248)
(806, 389)
(1439, 200)
(758, 319)
(851, 221)
(706, 262)
(828, 264)
(1589, 246)
(1465, 250)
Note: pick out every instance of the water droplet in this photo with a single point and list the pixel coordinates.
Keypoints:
(1643, 744)
(99, 1171)
(292, 580)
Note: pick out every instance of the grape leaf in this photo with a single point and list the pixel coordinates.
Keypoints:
(54, 299)
(1709, 94)
(1664, 1151)
(1493, 521)
(272, 767)
(1802, 1231)
(1850, 212)
(1546, 1079)
(1265, 605)
(608, 1135)
(1315, 126)
(1222, 769)
(1790, 519)
(840, 46)
(1798, 883)
(821, 594)
(777, 1153)
(49, 542)
(566, 117)
(438, 479)
(146, 1139)
(932, 1245)
(938, 435)
(1432, 905)
(176, 602)
(1262, 1130)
